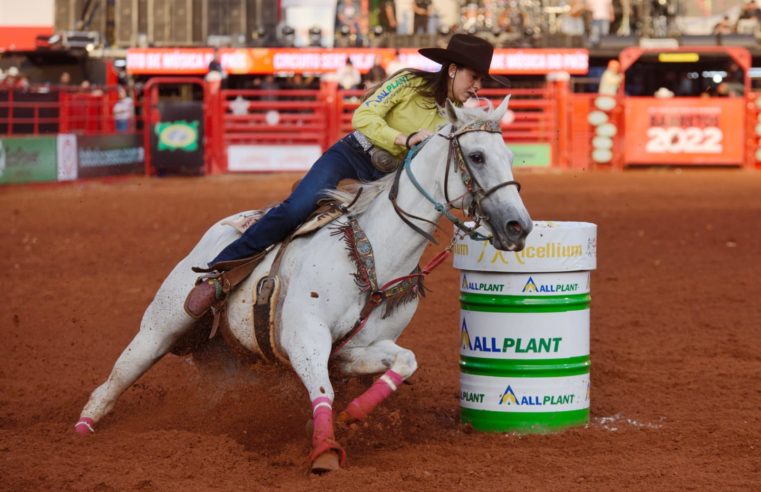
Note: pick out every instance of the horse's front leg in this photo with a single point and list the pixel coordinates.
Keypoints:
(308, 352)
(399, 364)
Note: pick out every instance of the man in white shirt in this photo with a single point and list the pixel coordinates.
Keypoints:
(123, 112)
(602, 15)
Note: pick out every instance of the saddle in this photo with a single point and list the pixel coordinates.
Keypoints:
(217, 282)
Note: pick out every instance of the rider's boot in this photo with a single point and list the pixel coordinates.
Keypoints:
(220, 278)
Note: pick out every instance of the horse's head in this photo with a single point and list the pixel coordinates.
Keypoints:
(490, 194)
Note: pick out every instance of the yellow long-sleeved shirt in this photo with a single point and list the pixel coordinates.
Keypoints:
(396, 107)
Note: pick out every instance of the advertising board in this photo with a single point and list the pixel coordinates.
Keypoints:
(28, 160)
(110, 155)
(685, 130)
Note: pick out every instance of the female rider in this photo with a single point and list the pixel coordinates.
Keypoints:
(402, 111)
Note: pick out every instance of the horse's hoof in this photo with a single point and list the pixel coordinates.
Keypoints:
(327, 462)
(84, 427)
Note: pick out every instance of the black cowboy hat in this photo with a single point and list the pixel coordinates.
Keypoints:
(468, 51)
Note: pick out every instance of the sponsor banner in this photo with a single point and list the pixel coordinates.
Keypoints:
(516, 61)
(239, 61)
(28, 159)
(110, 155)
(525, 284)
(177, 139)
(141, 61)
(684, 131)
(247, 158)
(514, 394)
(67, 157)
(531, 155)
(551, 247)
(524, 335)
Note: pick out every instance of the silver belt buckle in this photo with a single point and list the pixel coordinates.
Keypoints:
(363, 141)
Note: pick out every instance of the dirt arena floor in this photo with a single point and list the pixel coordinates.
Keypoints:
(676, 358)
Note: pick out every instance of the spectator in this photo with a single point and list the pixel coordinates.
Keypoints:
(387, 16)
(724, 26)
(349, 15)
(216, 74)
(11, 77)
(270, 85)
(375, 75)
(348, 76)
(735, 79)
(663, 93)
(611, 79)
(65, 79)
(124, 110)
(23, 83)
(422, 9)
(572, 23)
(602, 15)
(748, 22)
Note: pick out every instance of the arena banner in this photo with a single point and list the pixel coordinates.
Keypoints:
(177, 139)
(110, 155)
(239, 61)
(695, 131)
(531, 154)
(27, 160)
(251, 158)
(516, 61)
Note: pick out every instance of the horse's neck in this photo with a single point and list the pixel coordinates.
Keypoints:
(397, 246)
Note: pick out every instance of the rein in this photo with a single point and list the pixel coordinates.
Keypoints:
(457, 161)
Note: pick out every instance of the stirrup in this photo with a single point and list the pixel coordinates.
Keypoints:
(208, 292)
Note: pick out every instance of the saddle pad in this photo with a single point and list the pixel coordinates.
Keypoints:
(319, 218)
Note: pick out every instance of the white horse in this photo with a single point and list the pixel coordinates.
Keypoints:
(319, 302)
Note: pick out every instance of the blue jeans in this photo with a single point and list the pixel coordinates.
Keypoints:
(599, 28)
(345, 159)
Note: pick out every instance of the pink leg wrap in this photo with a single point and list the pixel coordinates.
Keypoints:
(323, 438)
(365, 403)
(84, 427)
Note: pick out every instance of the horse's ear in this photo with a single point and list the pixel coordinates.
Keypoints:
(451, 112)
(502, 108)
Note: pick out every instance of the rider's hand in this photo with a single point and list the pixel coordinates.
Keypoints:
(419, 136)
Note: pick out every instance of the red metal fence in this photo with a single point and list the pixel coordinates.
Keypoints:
(51, 109)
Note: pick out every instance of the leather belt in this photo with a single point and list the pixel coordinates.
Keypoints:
(363, 141)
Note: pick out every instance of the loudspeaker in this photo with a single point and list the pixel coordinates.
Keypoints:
(699, 40)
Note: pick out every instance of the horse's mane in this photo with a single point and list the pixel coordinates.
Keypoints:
(372, 189)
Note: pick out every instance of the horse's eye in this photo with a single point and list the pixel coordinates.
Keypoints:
(477, 158)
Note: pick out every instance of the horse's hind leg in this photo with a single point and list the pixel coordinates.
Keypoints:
(399, 363)
(161, 326)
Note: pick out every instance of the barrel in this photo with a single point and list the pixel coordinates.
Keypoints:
(524, 330)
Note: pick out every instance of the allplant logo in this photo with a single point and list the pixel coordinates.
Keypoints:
(532, 287)
(509, 398)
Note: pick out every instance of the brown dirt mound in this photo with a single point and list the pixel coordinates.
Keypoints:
(675, 353)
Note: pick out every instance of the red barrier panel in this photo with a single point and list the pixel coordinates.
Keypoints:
(263, 130)
(52, 109)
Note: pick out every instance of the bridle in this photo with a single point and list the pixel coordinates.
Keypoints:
(457, 161)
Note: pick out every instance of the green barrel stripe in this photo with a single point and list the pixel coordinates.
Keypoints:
(526, 368)
(525, 422)
(524, 304)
